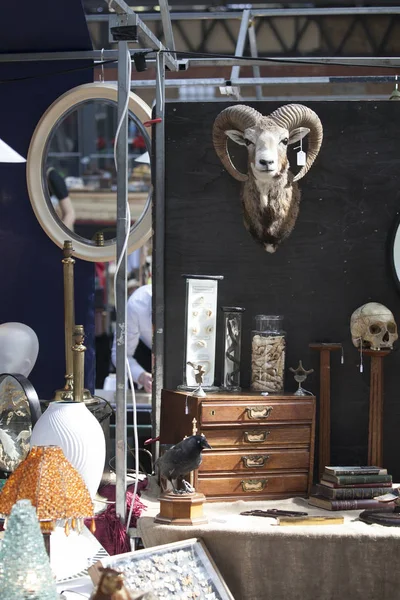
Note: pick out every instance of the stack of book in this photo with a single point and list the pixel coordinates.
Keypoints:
(351, 488)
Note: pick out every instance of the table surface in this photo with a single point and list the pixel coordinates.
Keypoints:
(225, 516)
(260, 559)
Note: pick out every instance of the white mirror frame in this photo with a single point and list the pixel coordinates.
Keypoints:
(394, 250)
(141, 230)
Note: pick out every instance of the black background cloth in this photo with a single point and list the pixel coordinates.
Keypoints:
(336, 259)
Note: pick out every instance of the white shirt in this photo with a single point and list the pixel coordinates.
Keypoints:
(138, 327)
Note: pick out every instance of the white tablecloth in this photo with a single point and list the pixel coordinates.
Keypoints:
(260, 560)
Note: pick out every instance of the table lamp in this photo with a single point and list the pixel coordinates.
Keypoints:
(8, 155)
(53, 486)
(25, 568)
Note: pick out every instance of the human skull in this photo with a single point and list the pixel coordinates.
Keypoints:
(373, 326)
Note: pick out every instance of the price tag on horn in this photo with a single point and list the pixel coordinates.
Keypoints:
(301, 158)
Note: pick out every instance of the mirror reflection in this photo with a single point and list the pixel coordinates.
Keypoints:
(79, 170)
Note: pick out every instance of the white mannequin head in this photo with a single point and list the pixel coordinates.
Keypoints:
(19, 348)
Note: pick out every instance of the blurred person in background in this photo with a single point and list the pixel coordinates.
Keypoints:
(60, 199)
(139, 337)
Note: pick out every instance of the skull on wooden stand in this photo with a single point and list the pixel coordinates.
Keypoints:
(373, 326)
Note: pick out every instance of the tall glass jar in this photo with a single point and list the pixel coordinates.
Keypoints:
(230, 381)
(268, 354)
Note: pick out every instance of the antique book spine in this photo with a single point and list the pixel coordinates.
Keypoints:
(349, 493)
(355, 471)
(355, 485)
(350, 479)
(347, 504)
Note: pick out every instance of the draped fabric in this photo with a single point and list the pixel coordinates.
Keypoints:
(30, 263)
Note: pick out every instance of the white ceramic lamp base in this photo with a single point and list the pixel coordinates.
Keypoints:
(72, 426)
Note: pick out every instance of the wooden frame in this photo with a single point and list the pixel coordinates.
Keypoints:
(394, 251)
(167, 569)
(41, 204)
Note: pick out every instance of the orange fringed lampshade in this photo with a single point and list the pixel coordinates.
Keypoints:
(54, 487)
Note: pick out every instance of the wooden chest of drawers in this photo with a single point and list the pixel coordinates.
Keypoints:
(262, 447)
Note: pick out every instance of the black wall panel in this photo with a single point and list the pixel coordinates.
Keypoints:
(335, 260)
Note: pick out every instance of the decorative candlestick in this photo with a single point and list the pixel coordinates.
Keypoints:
(99, 238)
(66, 393)
(300, 375)
(375, 427)
(324, 450)
(78, 350)
(194, 431)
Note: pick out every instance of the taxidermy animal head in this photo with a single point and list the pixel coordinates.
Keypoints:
(270, 194)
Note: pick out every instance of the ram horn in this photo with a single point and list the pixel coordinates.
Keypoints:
(238, 117)
(291, 116)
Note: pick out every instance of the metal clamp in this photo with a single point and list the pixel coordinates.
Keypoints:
(258, 412)
(253, 437)
(253, 485)
(251, 462)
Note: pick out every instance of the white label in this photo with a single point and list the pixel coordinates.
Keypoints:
(301, 158)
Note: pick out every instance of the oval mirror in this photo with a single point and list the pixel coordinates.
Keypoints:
(71, 171)
(394, 249)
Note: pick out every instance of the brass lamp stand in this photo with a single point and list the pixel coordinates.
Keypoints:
(78, 351)
(67, 392)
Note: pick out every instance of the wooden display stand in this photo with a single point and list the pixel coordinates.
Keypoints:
(324, 433)
(185, 509)
(375, 428)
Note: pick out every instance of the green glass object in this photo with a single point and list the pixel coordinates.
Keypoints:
(25, 572)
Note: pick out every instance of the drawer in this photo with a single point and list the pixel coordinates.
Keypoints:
(258, 411)
(250, 437)
(254, 460)
(254, 485)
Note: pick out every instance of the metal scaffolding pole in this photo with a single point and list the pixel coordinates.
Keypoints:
(121, 292)
(144, 34)
(267, 81)
(159, 235)
(254, 54)
(272, 12)
(241, 42)
(222, 61)
(167, 26)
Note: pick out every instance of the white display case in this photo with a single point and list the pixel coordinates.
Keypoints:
(200, 331)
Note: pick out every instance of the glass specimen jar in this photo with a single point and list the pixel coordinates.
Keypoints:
(230, 381)
(268, 354)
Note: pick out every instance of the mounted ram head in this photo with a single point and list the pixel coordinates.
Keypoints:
(270, 194)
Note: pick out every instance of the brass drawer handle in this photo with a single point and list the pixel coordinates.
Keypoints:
(255, 461)
(252, 437)
(259, 412)
(253, 485)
